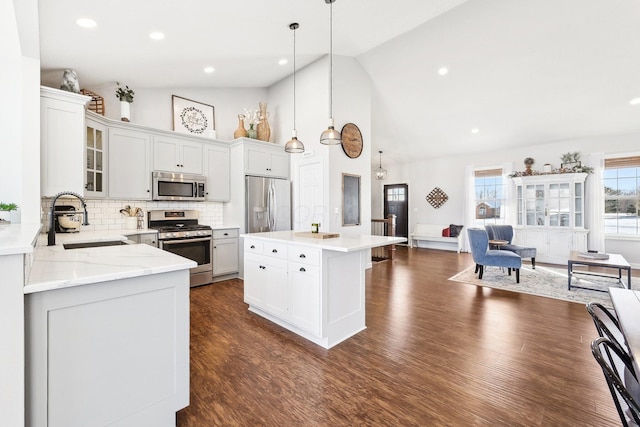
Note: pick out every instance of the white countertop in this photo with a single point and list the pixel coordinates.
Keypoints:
(55, 267)
(344, 243)
(17, 238)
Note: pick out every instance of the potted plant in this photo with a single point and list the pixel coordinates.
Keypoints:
(125, 95)
(5, 212)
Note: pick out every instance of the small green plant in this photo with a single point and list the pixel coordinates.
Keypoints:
(124, 94)
(8, 206)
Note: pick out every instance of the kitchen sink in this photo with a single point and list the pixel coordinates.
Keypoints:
(95, 244)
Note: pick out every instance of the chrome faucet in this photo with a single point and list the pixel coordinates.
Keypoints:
(52, 229)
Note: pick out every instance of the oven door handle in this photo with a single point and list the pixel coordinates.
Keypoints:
(175, 242)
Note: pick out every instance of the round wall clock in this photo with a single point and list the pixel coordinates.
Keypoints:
(351, 140)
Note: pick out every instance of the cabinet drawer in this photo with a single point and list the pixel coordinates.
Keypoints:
(252, 246)
(225, 233)
(275, 249)
(305, 255)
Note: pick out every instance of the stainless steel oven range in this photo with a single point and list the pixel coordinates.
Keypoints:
(180, 233)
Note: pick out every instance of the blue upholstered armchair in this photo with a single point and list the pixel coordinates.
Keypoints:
(505, 232)
(483, 256)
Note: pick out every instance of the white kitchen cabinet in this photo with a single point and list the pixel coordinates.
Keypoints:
(95, 184)
(129, 164)
(225, 252)
(216, 169)
(62, 141)
(550, 215)
(284, 281)
(173, 154)
(110, 353)
(266, 159)
(304, 287)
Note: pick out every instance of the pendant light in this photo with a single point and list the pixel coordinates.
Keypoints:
(293, 145)
(380, 173)
(330, 136)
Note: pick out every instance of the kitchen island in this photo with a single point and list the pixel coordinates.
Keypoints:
(310, 286)
(107, 334)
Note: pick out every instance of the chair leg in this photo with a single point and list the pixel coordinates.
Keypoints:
(477, 267)
(509, 271)
(533, 263)
(481, 271)
(517, 275)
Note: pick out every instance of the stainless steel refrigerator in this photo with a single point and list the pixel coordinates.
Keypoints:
(268, 204)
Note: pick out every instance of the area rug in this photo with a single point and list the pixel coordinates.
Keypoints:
(543, 281)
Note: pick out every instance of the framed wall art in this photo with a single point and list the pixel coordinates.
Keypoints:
(350, 199)
(192, 117)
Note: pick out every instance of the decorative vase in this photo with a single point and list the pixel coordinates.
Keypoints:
(125, 111)
(264, 130)
(252, 133)
(241, 131)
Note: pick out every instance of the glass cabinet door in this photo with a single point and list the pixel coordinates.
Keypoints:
(534, 205)
(579, 205)
(559, 205)
(95, 167)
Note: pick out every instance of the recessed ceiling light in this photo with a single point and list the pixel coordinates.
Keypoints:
(156, 35)
(635, 101)
(209, 69)
(443, 71)
(283, 61)
(475, 130)
(86, 23)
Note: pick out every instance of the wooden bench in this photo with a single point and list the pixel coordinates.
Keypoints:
(432, 233)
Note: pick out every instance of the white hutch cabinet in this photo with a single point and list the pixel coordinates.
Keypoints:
(550, 215)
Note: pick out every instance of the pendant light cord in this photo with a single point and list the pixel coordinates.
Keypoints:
(331, 59)
(294, 75)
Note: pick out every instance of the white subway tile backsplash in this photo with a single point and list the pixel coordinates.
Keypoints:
(105, 214)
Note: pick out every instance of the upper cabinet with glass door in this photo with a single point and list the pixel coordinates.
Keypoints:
(95, 152)
(552, 200)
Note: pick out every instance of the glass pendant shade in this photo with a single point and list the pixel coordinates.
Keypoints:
(330, 136)
(294, 145)
(380, 172)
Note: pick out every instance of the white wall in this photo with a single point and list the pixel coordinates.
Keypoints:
(153, 108)
(423, 175)
(351, 104)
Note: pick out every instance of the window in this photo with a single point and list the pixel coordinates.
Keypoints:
(621, 181)
(489, 196)
(396, 194)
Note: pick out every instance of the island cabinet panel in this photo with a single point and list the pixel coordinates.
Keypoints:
(314, 292)
(225, 252)
(113, 353)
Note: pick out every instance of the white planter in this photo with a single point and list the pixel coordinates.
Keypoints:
(125, 111)
(131, 223)
(6, 217)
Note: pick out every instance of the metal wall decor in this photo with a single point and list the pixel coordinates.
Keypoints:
(437, 197)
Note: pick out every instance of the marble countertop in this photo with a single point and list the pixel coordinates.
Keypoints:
(55, 267)
(344, 243)
(18, 238)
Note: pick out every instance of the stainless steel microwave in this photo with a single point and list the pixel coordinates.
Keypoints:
(178, 186)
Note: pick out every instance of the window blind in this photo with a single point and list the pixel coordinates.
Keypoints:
(490, 172)
(622, 162)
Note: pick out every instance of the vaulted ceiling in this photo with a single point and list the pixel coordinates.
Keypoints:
(520, 72)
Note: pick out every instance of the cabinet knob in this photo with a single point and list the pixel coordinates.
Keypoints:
(302, 269)
(148, 191)
(303, 256)
(263, 267)
(214, 247)
(253, 247)
(275, 251)
(226, 234)
(177, 166)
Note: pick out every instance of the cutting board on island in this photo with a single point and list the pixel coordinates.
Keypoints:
(318, 235)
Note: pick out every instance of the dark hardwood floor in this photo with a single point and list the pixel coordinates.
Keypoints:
(435, 353)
